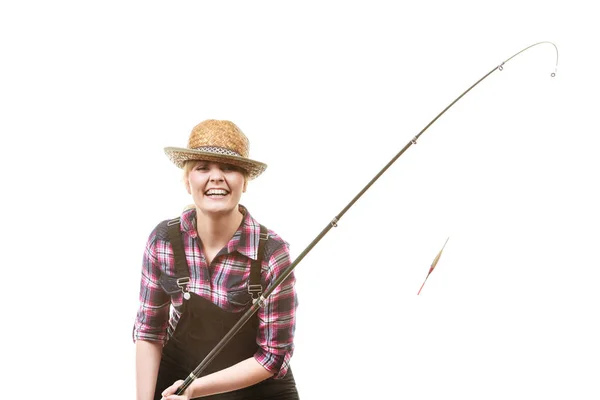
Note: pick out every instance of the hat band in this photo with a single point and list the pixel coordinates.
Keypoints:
(217, 150)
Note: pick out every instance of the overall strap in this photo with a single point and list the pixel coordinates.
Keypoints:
(254, 286)
(182, 271)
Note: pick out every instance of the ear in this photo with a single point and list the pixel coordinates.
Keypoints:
(245, 186)
(187, 186)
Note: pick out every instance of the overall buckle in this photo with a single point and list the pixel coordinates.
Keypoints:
(182, 283)
(255, 291)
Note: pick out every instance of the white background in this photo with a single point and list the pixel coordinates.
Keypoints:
(327, 92)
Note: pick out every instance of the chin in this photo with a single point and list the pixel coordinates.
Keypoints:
(218, 211)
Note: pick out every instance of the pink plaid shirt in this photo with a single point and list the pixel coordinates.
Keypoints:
(229, 272)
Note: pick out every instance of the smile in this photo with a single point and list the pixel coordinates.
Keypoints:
(216, 192)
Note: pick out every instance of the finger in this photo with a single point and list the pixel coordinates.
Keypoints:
(168, 391)
(171, 389)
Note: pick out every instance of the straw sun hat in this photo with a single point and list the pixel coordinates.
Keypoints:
(218, 141)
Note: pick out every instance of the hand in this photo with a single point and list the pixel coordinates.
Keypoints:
(169, 393)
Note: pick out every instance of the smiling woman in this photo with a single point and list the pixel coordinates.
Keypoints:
(215, 187)
(202, 270)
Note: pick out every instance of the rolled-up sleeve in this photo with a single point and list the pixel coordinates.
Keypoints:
(153, 313)
(277, 319)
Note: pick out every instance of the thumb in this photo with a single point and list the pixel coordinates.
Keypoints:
(171, 389)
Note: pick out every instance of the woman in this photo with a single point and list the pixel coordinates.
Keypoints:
(197, 281)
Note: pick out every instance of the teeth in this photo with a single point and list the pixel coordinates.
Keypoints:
(216, 192)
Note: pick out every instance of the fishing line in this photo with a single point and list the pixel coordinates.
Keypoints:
(333, 223)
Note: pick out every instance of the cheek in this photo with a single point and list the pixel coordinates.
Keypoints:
(237, 182)
(192, 184)
(242, 184)
(195, 181)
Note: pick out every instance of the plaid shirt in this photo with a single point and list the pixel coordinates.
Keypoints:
(229, 272)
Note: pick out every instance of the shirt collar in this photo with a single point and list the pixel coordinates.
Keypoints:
(245, 240)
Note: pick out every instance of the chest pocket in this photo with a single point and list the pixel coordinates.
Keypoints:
(239, 297)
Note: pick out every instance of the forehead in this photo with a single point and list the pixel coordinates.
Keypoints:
(193, 164)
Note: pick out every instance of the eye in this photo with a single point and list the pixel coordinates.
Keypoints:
(201, 167)
(228, 168)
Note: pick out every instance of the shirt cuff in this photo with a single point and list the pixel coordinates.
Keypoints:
(139, 334)
(277, 364)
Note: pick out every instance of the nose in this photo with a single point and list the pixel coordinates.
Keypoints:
(216, 175)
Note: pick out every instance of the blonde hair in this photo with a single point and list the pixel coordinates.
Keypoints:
(187, 167)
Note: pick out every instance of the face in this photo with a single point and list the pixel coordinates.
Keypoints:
(215, 187)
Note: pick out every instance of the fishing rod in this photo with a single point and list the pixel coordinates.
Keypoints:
(332, 224)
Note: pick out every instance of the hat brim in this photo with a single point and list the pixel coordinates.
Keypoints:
(179, 155)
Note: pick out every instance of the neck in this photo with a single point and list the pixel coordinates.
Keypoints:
(217, 230)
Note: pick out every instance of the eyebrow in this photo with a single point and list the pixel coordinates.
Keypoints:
(220, 164)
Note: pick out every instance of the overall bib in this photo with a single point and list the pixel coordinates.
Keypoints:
(203, 324)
